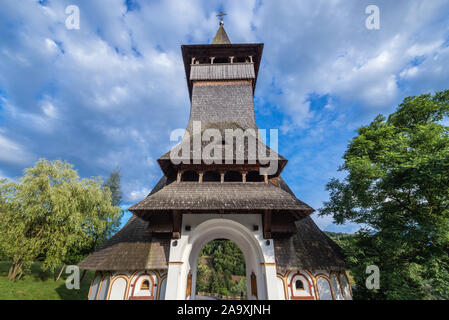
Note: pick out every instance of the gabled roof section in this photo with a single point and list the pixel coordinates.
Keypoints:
(221, 37)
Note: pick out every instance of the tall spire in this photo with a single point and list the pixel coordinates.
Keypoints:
(221, 37)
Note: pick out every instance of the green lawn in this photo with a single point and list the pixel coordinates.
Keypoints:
(40, 285)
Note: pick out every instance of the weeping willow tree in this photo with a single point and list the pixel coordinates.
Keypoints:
(50, 212)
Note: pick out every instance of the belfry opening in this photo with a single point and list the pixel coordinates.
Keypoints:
(155, 255)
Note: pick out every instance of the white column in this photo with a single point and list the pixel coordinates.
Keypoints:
(269, 269)
(176, 276)
(173, 282)
(271, 282)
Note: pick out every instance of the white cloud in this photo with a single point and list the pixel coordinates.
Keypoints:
(138, 195)
(12, 152)
(49, 110)
(424, 48)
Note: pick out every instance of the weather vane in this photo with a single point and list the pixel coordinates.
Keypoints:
(221, 15)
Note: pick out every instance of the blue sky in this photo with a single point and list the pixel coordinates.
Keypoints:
(110, 93)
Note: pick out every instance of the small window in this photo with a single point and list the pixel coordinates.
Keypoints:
(299, 285)
(145, 285)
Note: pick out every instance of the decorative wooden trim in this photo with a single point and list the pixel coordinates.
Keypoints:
(175, 262)
(338, 282)
(310, 297)
(159, 287)
(274, 181)
(189, 285)
(106, 274)
(341, 285)
(177, 221)
(97, 274)
(267, 224)
(112, 280)
(315, 288)
(159, 283)
(133, 285)
(284, 283)
(268, 263)
(100, 285)
(349, 284)
(140, 298)
(135, 273)
(254, 285)
(322, 275)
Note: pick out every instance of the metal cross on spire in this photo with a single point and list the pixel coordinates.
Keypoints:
(221, 15)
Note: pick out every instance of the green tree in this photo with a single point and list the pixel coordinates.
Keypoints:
(397, 186)
(50, 211)
(113, 184)
(202, 277)
(239, 288)
(217, 284)
(226, 260)
(76, 253)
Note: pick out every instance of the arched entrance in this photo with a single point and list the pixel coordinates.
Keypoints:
(221, 271)
(243, 238)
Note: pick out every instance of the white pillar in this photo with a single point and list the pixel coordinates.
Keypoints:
(271, 282)
(176, 275)
(173, 281)
(269, 269)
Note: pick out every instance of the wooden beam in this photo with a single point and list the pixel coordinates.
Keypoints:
(177, 221)
(267, 224)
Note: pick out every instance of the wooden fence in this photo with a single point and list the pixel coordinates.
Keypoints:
(221, 296)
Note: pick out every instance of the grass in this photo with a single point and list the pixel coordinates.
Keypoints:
(39, 285)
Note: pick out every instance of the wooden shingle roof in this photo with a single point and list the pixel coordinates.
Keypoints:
(132, 248)
(221, 37)
(233, 196)
(307, 249)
